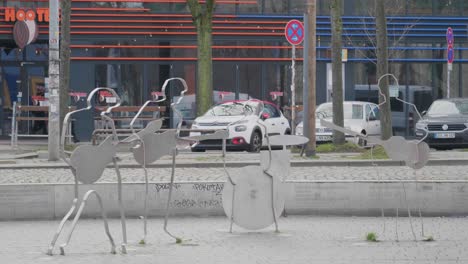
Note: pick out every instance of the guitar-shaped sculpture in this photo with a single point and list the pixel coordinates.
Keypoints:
(149, 146)
(87, 164)
(220, 134)
(254, 196)
(415, 153)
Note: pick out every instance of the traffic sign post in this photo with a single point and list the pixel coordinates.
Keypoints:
(294, 32)
(450, 56)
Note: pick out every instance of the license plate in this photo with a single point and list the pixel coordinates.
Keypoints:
(323, 138)
(444, 135)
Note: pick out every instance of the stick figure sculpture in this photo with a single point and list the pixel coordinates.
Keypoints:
(87, 164)
(220, 134)
(149, 146)
(254, 196)
(415, 153)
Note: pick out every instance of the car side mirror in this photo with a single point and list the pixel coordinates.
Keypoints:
(265, 116)
(423, 113)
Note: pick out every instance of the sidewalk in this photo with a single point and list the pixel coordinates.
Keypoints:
(318, 240)
(34, 154)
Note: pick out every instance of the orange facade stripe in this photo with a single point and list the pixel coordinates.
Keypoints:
(177, 47)
(178, 27)
(176, 59)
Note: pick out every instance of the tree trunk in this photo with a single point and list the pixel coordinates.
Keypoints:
(310, 149)
(205, 67)
(337, 74)
(382, 68)
(202, 17)
(65, 6)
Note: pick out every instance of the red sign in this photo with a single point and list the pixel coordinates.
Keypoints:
(449, 36)
(294, 32)
(40, 14)
(450, 54)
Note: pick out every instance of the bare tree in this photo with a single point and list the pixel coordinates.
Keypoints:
(337, 83)
(382, 68)
(310, 148)
(202, 16)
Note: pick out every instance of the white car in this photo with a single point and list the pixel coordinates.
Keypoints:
(244, 122)
(361, 117)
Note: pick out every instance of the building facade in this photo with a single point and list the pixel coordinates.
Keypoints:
(134, 47)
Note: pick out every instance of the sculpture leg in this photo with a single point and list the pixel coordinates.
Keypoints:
(409, 211)
(171, 184)
(121, 207)
(60, 227)
(145, 213)
(396, 225)
(273, 208)
(77, 217)
(419, 204)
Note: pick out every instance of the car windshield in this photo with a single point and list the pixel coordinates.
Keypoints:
(448, 108)
(234, 109)
(350, 111)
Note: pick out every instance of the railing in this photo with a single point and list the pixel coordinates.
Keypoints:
(17, 118)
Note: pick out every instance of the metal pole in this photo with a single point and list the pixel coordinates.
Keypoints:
(305, 79)
(54, 64)
(293, 91)
(449, 69)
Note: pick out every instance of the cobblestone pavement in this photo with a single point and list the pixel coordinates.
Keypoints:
(303, 239)
(319, 173)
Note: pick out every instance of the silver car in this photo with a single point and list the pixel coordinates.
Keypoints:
(446, 121)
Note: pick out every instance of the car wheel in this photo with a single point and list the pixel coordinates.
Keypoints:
(255, 142)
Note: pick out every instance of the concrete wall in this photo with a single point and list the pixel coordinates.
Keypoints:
(52, 201)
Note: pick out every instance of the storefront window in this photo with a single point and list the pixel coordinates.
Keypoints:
(250, 80)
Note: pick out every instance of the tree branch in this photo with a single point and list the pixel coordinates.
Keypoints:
(195, 9)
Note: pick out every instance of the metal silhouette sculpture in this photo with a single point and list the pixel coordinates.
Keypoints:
(87, 164)
(149, 145)
(254, 196)
(221, 134)
(415, 153)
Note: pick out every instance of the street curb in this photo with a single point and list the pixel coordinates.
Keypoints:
(236, 164)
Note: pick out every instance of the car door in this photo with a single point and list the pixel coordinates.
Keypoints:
(373, 120)
(275, 124)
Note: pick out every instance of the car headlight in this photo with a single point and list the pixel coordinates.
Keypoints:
(240, 128)
(421, 125)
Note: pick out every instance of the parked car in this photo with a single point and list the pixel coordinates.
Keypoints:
(242, 119)
(446, 122)
(362, 117)
(419, 95)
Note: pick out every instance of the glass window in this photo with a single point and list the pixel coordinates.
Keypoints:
(276, 6)
(420, 7)
(251, 8)
(445, 108)
(350, 111)
(448, 7)
(271, 110)
(250, 80)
